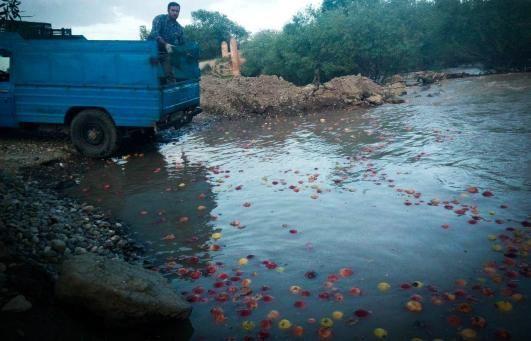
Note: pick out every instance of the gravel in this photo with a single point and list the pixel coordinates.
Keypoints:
(39, 230)
(26, 148)
(39, 226)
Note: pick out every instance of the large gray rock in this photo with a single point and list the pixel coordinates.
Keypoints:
(395, 89)
(18, 304)
(354, 87)
(119, 292)
(375, 99)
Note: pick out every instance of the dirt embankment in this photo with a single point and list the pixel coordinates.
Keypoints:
(243, 96)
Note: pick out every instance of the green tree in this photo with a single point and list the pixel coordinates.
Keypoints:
(501, 32)
(9, 11)
(259, 52)
(370, 40)
(209, 29)
(143, 32)
(380, 37)
(347, 5)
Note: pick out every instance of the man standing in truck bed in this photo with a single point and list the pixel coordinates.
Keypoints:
(168, 33)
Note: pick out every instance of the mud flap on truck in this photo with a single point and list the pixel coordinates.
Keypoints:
(178, 119)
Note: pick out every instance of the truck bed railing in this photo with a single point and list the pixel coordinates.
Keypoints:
(38, 30)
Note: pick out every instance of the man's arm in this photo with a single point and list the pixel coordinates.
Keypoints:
(155, 31)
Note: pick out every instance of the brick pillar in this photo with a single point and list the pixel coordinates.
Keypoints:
(225, 50)
(235, 57)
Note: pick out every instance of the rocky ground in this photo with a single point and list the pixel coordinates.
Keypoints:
(43, 229)
(40, 232)
(26, 148)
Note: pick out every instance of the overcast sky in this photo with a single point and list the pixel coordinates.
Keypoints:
(120, 19)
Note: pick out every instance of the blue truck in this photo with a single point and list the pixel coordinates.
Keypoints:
(101, 91)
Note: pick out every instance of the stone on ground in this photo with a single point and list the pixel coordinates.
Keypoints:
(375, 99)
(119, 292)
(18, 304)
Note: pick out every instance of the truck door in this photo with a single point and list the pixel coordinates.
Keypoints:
(7, 103)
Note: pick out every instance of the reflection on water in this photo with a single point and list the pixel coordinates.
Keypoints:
(299, 201)
(168, 201)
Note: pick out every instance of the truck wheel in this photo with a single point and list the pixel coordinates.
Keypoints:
(94, 134)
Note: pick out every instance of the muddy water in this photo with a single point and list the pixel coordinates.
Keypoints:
(300, 201)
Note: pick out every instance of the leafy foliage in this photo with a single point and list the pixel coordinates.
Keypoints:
(209, 29)
(9, 10)
(143, 32)
(380, 37)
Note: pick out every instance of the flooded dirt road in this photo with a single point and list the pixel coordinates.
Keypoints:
(408, 220)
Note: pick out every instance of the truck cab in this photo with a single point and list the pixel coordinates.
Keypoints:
(100, 90)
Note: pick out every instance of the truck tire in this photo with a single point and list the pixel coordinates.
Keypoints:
(94, 134)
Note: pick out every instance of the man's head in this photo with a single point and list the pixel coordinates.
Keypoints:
(173, 10)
